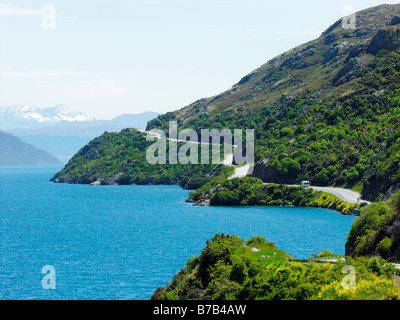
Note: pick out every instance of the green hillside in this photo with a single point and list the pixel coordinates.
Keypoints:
(327, 111)
(231, 269)
(15, 152)
(377, 231)
(120, 158)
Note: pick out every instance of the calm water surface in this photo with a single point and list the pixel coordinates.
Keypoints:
(122, 242)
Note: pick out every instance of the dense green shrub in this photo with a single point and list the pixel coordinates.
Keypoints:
(251, 191)
(228, 270)
(376, 231)
(120, 158)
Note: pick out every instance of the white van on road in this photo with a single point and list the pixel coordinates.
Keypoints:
(305, 184)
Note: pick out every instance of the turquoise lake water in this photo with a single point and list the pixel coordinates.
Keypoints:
(122, 242)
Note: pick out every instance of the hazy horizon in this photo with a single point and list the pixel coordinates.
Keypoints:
(110, 58)
(22, 107)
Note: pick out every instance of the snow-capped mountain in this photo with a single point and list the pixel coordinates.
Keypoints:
(61, 131)
(33, 117)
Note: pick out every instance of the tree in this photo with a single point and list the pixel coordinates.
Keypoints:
(289, 168)
(321, 178)
(352, 176)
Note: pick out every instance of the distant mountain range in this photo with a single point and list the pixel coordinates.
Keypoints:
(12, 117)
(61, 130)
(87, 128)
(14, 152)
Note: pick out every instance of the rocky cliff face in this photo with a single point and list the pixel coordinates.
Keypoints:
(334, 54)
(267, 173)
(385, 39)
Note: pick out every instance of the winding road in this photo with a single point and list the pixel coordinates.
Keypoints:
(346, 195)
(228, 161)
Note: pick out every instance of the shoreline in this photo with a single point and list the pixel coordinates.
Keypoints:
(206, 203)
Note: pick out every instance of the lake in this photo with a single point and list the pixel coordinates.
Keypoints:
(122, 242)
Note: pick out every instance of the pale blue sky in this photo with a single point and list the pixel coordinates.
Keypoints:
(106, 58)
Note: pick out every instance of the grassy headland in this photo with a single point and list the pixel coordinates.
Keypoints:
(120, 158)
(231, 269)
